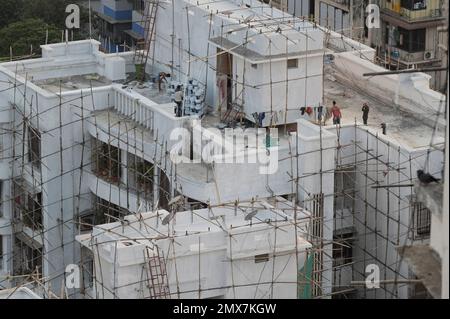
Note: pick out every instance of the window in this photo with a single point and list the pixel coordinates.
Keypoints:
(106, 161)
(102, 212)
(139, 5)
(343, 248)
(292, 63)
(261, 258)
(34, 146)
(414, 4)
(1, 198)
(26, 259)
(344, 184)
(421, 221)
(410, 40)
(32, 214)
(140, 176)
(1, 252)
(87, 265)
(27, 204)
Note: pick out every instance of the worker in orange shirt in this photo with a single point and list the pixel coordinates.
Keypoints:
(336, 112)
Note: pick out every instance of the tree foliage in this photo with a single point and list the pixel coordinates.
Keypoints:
(24, 34)
(25, 22)
(10, 11)
(50, 11)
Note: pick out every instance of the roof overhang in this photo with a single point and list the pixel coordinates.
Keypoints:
(399, 21)
(253, 57)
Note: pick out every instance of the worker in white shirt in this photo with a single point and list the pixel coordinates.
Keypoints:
(179, 101)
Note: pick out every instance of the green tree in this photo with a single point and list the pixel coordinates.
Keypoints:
(50, 11)
(10, 11)
(24, 34)
(53, 12)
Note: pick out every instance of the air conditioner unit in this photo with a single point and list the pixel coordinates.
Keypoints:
(428, 55)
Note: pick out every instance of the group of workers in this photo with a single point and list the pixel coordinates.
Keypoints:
(335, 109)
(337, 115)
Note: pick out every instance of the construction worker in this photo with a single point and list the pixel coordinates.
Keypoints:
(162, 77)
(320, 114)
(336, 112)
(365, 110)
(178, 101)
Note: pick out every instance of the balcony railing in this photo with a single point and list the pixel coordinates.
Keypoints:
(345, 3)
(432, 11)
(159, 119)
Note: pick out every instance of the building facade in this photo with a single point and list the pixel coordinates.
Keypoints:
(87, 145)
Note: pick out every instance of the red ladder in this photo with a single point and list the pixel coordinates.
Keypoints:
(143, 47)
(233, 114)
(157, 274)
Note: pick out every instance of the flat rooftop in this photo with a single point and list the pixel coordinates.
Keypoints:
(71, 83)
(401, 125)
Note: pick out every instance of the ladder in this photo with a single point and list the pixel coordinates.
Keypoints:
(157, 274)
(143, 46)
(233, 115)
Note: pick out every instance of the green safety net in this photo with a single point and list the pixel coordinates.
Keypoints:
(305, 278)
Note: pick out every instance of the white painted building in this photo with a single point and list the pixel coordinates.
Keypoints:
(210, 253)
(86, 146)
(56, 184)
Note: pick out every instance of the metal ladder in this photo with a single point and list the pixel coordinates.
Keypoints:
(157, 274)
(143, 47)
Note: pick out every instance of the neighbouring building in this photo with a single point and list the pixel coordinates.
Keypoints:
(413, 34)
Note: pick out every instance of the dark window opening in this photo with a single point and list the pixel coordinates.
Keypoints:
(26, 259)
(421, 221)
(343, 249)
(414, 4)
(140, 176)
(292, 63)
(1, 252)
(106, 161)
(261, 258)
(410, 40)
(32, 214)
(34, 147)
(87, 264)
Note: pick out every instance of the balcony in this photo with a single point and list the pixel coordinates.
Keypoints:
(412, 14)
(343, 4)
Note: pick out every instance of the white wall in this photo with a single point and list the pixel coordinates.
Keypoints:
(202, 261)
(382, 217)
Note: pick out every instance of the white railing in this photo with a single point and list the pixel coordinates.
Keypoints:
(159, 119)
(130, 106)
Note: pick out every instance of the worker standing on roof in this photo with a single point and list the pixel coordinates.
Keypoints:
(178, 101)
(365, 110)
(162, 77)
(337, 115)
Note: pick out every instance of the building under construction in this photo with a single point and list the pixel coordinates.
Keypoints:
(250, 191)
